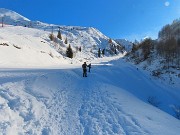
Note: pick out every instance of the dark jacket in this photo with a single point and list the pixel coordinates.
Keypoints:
(84, 66)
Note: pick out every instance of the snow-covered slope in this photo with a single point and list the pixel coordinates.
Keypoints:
(111, 100)
(11, 17)
(125, 43)
(27, 39)
(26, 47)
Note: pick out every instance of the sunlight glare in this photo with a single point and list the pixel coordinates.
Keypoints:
(167, 3)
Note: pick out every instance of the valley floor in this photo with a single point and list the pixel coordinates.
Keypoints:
(61, 102)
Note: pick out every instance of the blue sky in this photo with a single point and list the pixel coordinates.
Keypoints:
(130, 19)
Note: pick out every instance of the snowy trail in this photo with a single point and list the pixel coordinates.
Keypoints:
(100, 116)
(101, 113)
(61, 101)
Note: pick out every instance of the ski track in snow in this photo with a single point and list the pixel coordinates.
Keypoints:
(51, 102)
(62, 112)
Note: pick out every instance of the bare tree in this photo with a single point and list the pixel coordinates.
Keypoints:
(2, 21)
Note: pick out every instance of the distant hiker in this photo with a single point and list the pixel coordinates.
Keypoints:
(84, 69)
(89, 66)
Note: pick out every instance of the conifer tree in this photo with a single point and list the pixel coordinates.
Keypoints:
(59, 35)
(66, 41)
(69, 52)
(115, 51)
(103, 52)
(99, 53)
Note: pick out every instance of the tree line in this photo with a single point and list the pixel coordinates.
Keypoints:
(167, 46)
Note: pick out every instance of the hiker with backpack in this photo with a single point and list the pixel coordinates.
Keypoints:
(84, 67)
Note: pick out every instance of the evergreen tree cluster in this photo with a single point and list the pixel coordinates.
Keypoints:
(69, 51)
(101, 52)
(113, 49)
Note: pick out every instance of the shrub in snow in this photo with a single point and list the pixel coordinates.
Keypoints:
(153, 101)
(110, 41)
(51, 36)
(4, 44)
(17, 47)
(51, 54)
(156, 73)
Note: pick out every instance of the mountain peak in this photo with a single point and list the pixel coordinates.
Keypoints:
(10, 17)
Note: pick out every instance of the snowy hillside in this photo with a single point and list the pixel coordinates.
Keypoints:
(22, 47)
(111, 100)
(161, 57)
(125, 43)
(33, 41)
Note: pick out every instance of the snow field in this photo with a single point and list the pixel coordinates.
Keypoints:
(61, 101)
(27, 48)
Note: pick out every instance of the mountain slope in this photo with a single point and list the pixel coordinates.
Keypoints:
(22, 47)
(32, 36)
(11, 17)
(125, 43)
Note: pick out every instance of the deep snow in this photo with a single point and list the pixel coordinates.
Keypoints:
(61, 101)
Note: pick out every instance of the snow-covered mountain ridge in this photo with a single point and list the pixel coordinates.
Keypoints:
(11, 16)
(36, 34)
